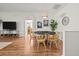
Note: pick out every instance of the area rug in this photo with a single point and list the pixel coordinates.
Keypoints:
(4, 44)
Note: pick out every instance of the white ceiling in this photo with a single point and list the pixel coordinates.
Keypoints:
(29, 7)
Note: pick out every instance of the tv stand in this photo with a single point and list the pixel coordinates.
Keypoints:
(8, 33)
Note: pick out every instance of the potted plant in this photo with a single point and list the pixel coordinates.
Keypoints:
(53, 25)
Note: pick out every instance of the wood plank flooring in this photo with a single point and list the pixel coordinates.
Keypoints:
(23, 47)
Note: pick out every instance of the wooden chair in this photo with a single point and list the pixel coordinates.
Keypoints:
(32, 37)
(41, 39)
(53, 39)
(30, 33)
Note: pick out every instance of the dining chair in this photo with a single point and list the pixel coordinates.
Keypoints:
(32, 36)
(53, 39)
(41, 39)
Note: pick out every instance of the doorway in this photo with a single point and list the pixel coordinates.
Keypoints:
(28, 26)
(28, 32)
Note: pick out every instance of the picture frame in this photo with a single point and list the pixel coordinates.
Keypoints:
(39, 24)
(45, 22)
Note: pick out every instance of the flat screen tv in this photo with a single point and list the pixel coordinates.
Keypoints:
(9, 25)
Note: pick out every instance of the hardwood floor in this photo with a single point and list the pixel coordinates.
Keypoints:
(23, 47)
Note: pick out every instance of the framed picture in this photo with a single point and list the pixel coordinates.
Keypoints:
(45, 22)
(39, 24)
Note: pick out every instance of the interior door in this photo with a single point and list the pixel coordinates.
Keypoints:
(72, 43)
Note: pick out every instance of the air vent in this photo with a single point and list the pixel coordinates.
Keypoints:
(56, 6)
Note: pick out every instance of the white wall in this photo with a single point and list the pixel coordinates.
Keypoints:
(72, 11)
(19, 17)
(38, 17)
(13, 16)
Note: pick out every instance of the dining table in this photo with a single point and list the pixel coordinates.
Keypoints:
(46, 33)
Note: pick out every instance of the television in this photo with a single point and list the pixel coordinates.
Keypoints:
(9, 25)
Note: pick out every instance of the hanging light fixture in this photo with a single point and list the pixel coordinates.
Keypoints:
(45, 15)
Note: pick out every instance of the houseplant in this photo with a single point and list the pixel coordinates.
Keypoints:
(53, 25)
